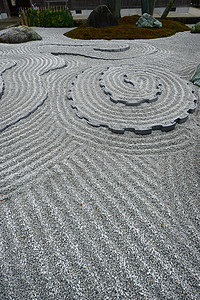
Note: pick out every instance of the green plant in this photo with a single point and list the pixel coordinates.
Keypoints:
(48, 17)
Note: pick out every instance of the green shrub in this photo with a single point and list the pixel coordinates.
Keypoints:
(49, 18)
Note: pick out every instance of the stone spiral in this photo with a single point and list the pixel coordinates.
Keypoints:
(130, 88)
(151, 99)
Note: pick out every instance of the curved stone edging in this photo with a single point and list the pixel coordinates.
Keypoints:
(114, 99)
(120, 48)
(148, 130)
(103, 53)
(184, 98)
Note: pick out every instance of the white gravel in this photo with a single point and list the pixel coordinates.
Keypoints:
(86, 213)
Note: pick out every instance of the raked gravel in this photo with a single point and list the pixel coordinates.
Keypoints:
(86, 213)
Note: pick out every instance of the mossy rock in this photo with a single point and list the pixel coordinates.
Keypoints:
(19, 34)
(196, 28)
(127, 30)
(148, 21)
(196, 77)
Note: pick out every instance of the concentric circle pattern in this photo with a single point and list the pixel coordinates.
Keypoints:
(131, 87)
(150, 98)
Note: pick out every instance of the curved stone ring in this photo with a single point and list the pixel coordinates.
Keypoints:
(136, 86)
(132, 98)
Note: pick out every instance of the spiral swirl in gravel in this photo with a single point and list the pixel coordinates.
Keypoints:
(91, 98)
(134, 87)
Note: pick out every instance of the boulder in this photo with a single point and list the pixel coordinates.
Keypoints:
(18, 34)
(196, 77)
(196, 28)
(147, 21)
(101, 17)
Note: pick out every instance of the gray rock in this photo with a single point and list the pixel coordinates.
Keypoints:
(101, 17)
(196, 28)
(196, 77)
(19, 34)
(147, 21)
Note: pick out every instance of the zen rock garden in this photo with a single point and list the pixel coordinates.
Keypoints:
(99, 195)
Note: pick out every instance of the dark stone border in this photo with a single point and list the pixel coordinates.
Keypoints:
(127, 103)
(147, 130)
(121, 49)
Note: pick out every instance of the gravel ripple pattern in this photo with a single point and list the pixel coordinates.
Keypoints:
(86, 213)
